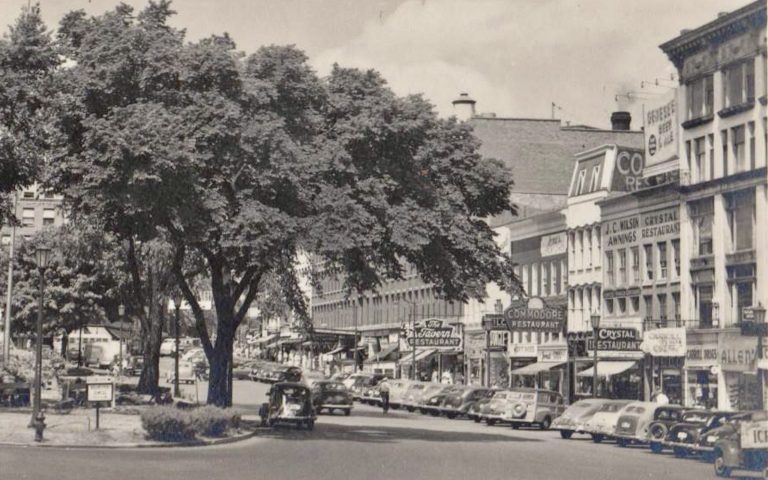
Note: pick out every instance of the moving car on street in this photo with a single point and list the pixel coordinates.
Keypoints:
(683, 437)
(706, 445)
(289, 403)
(745, 449)
(331, 395)
(574, 418)
(636, 418)
(603, 423)
(528, 407)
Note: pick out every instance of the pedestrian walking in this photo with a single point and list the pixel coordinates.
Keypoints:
(384, 392)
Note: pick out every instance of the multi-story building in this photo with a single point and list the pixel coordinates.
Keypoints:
(724, 213)
(35, 210)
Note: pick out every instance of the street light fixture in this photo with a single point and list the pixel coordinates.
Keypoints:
(413, 332)
(759, 312)
(42, 256)
(176, 298)
(120, 314)
(595, 318)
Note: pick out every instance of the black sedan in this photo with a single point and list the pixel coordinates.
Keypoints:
(331, 395)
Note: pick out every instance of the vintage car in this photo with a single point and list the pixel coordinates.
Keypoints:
(575, 416)
(684, 436)
(370, 395)
(187, 373)
(706, 445)
(496, 407)
(432, 390)
(363, 385)
(479, 409)
(242, 370)
(458, 402)
(432, 403)
(135, 365)
(745, 449)
(397, 389)
(289, 403)
(635, 419)
(533, 407)
(282, 374)
(411, 394)
(331, 395)
(603, 423)
(663, 420)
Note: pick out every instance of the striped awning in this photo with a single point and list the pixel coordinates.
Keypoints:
(422, 355)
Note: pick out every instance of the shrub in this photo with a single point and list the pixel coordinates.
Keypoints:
(213, 422)
(168, 424)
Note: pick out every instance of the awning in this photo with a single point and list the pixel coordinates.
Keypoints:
(382, 355)
(607, 369)
(271, 345)
(259, 341)
(289, 341)
(336, 350)
(535, 368)
(423, 355)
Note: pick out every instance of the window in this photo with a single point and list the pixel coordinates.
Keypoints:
(635, 265)
(580, 182)
(28, 217)
(724, 138)
(545, 279)
(704, 295)
(702, 215)
(588, 248)
(741, 219)
(676, 256)
(49, 214)
(699, 157)
(648, 261)
(594, 184)
(609, 306)
(622, 305)
(662, 297)
(609, 268)
(553, 279)
(700, 97)
(564, 276)
(662, 249)
(28, 194)
(688, 156)
(751, 128)
(739, 150)
(534, 290)
(739, 83)
(648, 304)
(711, 168)
(596, 235)
(676, 305)
(635, 304)
(623, 266)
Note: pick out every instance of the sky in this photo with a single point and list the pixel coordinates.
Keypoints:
(514, 57)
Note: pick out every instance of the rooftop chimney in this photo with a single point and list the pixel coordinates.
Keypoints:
(464, 107)
(620, 120)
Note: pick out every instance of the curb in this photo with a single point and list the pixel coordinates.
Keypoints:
(196, 443)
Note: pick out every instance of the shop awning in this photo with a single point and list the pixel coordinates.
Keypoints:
(536, 367)
(384, 353)
(289, 341)
(272, 345)
(607, 369)
(336, 350)
(262, 340)
(423, 355)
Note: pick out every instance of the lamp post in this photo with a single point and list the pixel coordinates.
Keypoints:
(42, 255)
(176, 305)
(759, 312)
(595, 318)
(120, 313)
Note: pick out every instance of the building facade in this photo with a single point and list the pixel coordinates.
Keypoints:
(724, 212)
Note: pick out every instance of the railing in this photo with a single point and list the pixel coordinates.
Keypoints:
(650, 323)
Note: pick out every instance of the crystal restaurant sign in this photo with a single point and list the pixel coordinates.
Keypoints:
(532, 315)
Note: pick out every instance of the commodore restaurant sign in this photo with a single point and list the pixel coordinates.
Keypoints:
(435, 333)
(534, 315)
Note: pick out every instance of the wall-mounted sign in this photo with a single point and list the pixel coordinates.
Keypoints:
(99, 392)
(701, 355)
(641, 228)
(665, 342)
(558, 353)
(555, 244)
(737, 353)
(616, 339)
(661, 129)
(518, 350)
(534, 315)
(628, 175)
(435, 333)
(754, 434)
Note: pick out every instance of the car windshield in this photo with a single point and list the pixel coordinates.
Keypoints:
(696, 417)
(666, 414)
(611, 407)
(333, 387)
(293, 394)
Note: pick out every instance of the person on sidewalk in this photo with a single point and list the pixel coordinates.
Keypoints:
(384, 392)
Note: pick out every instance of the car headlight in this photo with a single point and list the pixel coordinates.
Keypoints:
(711, 438)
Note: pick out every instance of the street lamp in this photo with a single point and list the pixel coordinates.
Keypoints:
(759, 312)
(120, 313)
(595, 318)
(413, 332)
(176, 298)
(42, 255)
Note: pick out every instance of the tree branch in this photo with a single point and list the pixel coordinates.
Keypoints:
(253, 290)
(191, 300)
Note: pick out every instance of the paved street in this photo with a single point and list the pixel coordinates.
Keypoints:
(366, 445)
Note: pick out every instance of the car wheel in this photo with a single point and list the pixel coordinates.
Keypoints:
(490, 422)
(656, 447)
(680, 452)
(476, 419)
(598, 437)
(410, 409)
(347, 412)
(310, 425)
(566, 434)
(546, 423)
(659, 431)
(622, 442)
(435, 413)
(450, 415)
(721, 470)
(515, 426)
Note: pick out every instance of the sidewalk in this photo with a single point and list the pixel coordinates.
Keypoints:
(78, 429)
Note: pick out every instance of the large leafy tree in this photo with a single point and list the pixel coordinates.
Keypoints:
(27, 59)
(241, 163)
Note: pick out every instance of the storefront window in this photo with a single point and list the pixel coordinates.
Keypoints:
(702, 389)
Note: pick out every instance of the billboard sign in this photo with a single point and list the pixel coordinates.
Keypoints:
(435, 333)
(661, 129)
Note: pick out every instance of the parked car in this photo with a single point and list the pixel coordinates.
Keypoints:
(495, 408)
(397, 390)
(431, 390)
(706, 445)
(331, 395)
(458, 402)
(530, 407)
(663, 420)
(636, 418)
(135, 365)
(574, 418)
(479, 409)
(683, 437)
(289, 403)
(168, 347)
(603, 423)
(410, 395)
(745, 448)
(370, 395)
(187, 373)
(432, 402)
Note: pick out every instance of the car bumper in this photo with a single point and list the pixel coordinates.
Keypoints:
(688, 446)
(336, 405)
(631, 439)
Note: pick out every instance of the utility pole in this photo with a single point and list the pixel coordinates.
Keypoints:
(413, 334)
(9, 292)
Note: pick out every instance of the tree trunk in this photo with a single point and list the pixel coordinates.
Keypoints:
(220, 379)
(150, 373)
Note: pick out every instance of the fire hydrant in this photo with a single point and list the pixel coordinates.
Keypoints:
(39, 426)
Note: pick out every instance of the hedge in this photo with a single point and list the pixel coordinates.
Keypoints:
(170, 424)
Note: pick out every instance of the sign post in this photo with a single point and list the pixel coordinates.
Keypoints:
(100, 391)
